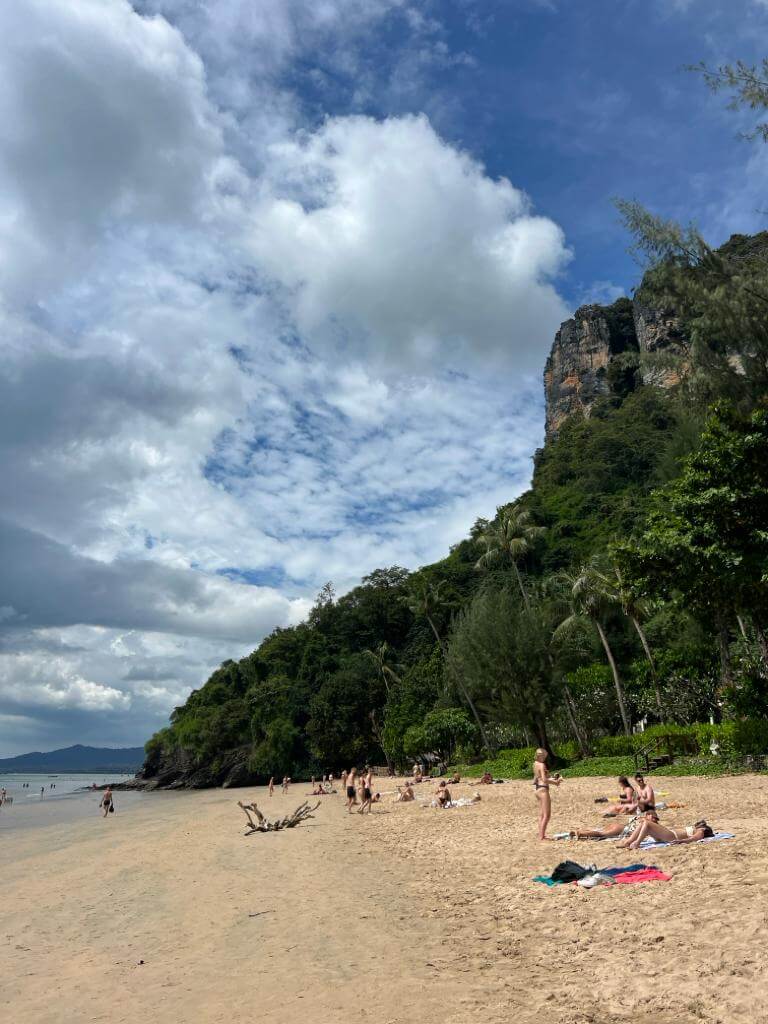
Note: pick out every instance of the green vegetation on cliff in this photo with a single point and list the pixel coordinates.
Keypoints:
(630, 581)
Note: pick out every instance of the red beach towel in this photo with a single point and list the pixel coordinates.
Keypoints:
(644, 875)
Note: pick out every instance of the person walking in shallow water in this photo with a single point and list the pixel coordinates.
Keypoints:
(542, 780)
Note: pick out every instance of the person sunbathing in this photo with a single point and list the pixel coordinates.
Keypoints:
(627, 801)
(662, 834)
(455, 780)
(486, 780)
(615, 829)
(405, 794)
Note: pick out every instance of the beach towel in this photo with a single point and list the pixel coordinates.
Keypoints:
(649, 843)
(632, 874)
(644, 875)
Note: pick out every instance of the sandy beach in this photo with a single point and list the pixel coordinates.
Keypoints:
(408, 915)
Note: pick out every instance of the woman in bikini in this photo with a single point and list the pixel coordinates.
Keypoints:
(627, 801)
(616, 829)
(541, 783)
(662, 834)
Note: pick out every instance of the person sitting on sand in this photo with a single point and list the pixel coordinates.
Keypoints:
(541, 783)
(443, 794)
(615, 829)
(627, 801)
(645, 796)
(662, 834)
(486, 780)
(107, 802)
(405, 794)
(455, 779)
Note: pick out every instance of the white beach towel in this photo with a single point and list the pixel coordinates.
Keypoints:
(649, 843)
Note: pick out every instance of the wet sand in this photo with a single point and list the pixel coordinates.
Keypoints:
(411, 914)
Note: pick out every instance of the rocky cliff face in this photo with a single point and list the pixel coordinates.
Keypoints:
(599, 351)
(576, 372)
(176, 769)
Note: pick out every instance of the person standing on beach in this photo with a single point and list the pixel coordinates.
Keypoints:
(351, 797)
(542, 780)
(366, 792)
(344, 782)
(107, 802)
(272, 785)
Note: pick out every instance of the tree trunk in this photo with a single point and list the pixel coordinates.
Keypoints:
(616, 679)
(377, 732)
(520, 584)
(649, 656)
(570, 708)
(571, 712)
(541, 736)
(462, 687)
(742, 627)
(726, 668)
(762, 641)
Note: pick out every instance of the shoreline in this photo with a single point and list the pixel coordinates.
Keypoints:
(409, 914)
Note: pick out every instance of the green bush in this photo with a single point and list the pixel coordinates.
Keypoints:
(566, 751)
(600, 766)
(615, 746)
(614, 754)
(508, 764)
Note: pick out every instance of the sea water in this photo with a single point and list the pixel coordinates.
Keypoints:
(39, 799)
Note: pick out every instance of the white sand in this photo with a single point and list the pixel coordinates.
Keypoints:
(409, 916)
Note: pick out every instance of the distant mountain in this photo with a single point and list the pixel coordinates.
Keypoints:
(77, 759)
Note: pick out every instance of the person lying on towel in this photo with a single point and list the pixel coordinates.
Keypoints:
(662, 834)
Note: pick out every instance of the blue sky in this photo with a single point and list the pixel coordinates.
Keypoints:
(277, 284)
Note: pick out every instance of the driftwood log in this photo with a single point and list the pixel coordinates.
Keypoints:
(261, 824)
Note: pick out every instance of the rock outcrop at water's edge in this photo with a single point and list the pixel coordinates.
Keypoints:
(178, 770)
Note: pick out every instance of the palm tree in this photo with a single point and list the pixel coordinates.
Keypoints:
(422, 600)
(380, 658)
(635, 608)
(508, 541)
(588, 600)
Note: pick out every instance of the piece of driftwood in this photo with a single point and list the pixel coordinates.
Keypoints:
(261, 824)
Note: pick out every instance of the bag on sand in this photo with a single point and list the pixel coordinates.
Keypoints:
(570, 871)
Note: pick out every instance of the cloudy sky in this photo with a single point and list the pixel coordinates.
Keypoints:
(277, 282)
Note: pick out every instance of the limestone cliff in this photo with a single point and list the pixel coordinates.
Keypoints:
(577, 370)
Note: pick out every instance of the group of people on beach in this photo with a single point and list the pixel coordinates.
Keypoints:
(637, 800)
(359, 790)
